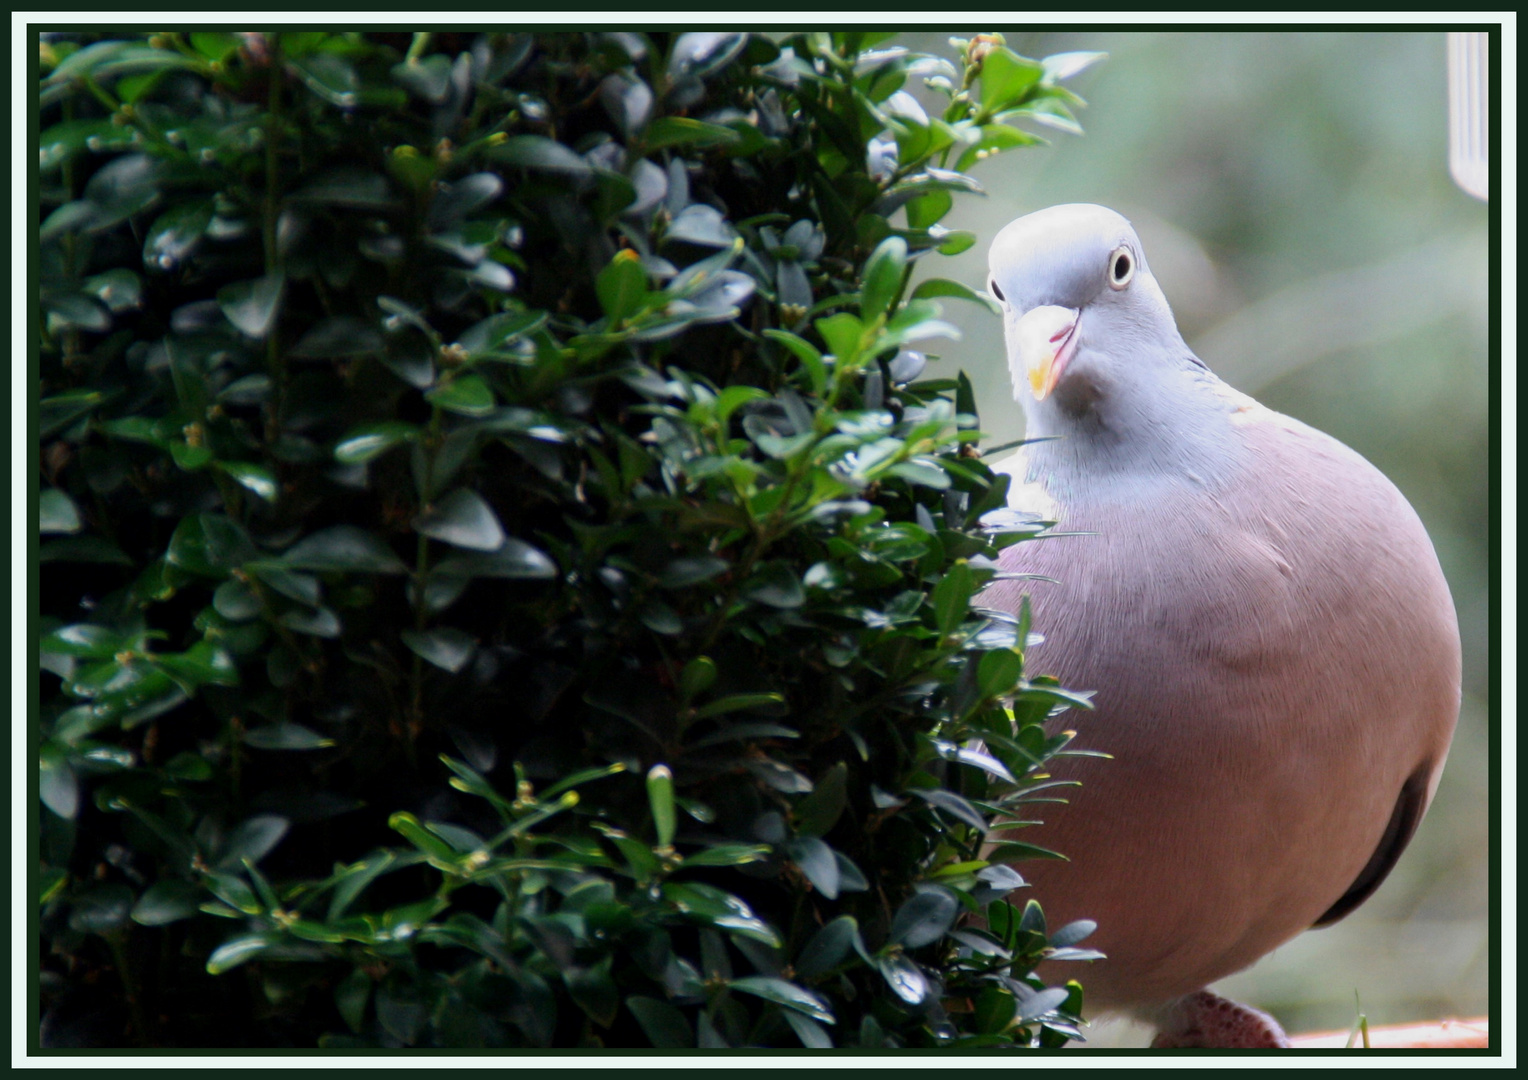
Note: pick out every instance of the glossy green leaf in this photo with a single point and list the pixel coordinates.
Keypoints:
(63, 141)
(252, 306)
(465, 395)
(815, 860)
(319, 622)
(952, 597)
(1062, 66)
(702, 225)
(621, 285)
(994, 139)
(956, 241)
(829, 947)
(933, 287)
(251, 840)
(736, 703)
(698, 54)
(119, 289)
(58, 411)
(371, 440)
(924, 917)
(514, 558)
(84, 640)
(924, 472)
(422, 838)
(811, 359)
(445, 647)
(785, 993)
(820, 811)
(401, 1010)
(927, 210)
(1052, 113)
(713, 907)
(483, 338)
(101, 909)
(540, 154)
(697, 677)
(330, 77)
(883, 277)
(343, 547)
(257, 478)
(594, 990)
(203, 663)
(338, 336)
(691, 570)
(996, 1009)
(843, 333)
(215, 46)
(428, 77)
(733, 398)
(812, 1034)
(777, 586)
(1006, 77)
(238, 950)
(73, 310)
(660, 799)
(969, 755)
(249, 390)
(1072, 933)
(1045, 1001)
(56, 512)
(303, 588)
(954, 805)
(354, 879)
(663, 1024)
(462, 519)
(1015, 851)
(176, 234)
(999, 671)
(727, 855)
(167, 900)
(188, 457)
(209, 545)
(57, 785)
(285, 737)
(906, 979)
(682, 131)
(351, 996)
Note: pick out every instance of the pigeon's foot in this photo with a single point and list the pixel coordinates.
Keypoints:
(1204, 1019)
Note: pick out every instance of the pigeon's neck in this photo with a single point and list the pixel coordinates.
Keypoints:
(1170, 423)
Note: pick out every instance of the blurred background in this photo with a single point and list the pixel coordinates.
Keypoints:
(1292, 192)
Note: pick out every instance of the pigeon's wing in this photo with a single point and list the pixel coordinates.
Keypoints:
(1385, 566)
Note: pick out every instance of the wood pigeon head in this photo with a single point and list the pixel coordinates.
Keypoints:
(1083, 316)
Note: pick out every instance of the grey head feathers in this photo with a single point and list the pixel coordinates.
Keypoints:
(1120, 392)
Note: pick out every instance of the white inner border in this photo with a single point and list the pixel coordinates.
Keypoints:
(23, 515)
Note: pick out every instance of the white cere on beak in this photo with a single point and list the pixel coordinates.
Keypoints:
(1040, 344)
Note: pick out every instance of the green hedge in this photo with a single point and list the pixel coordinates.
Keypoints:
(506, 578)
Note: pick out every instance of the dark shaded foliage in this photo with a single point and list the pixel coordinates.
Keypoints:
(505, 580)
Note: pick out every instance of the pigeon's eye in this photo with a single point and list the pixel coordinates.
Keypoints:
(995, 291)
(1121, 268)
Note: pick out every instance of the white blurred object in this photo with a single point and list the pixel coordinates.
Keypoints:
(1469, 130)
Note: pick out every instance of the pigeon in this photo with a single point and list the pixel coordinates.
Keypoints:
(1271, 643)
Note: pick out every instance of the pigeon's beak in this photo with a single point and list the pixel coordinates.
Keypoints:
(1046, 338)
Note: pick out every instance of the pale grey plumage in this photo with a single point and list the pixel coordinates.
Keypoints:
(1261, 613)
